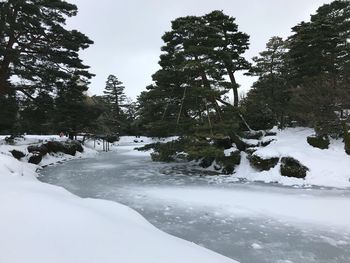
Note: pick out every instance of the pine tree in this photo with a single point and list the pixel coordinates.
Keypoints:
(267, 102)
(71, 115)
(37, 117)
(199, 53)
(115, 97)
(321, 46)
(35, 45)
(319, 60)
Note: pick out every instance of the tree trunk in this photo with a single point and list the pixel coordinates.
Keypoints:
(234, 87)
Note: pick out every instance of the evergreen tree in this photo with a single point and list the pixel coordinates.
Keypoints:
(35, 45)
(37, 117)
(72, 114)
(319, 60)
(115, 97)
(198, 55)
(267, 102)
(321, 47)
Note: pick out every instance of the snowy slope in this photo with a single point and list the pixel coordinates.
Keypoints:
(328, 167)
(42, 223)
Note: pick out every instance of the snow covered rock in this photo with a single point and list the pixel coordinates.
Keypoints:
(318, 142)
(17, 154)
(263, 164)
(35, 158)
(291, 167)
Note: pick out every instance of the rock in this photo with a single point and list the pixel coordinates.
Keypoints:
(69, 148)
(206, 161)
(291, 167)
(54, 147)
(270, 133)
(229, 163)
(241, 145)
(35, 158)
(318, 141)
(263, 164)
(17, 154)
(35, 148)
(78, 146)
(255, 135)
(266, 143)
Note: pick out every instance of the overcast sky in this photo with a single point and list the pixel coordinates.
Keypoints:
(127, 33)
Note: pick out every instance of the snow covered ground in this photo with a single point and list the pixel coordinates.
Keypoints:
(328, 168)
(44, 223)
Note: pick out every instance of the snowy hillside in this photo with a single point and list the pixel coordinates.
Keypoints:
(328, 167)
(44, 223)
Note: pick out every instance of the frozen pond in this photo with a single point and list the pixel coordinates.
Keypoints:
(249, 222)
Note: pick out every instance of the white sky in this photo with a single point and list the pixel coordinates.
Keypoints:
(127, 33)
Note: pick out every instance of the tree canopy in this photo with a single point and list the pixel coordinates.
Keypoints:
(36, 51)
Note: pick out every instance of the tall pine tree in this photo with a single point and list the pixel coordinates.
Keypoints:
(35, 45)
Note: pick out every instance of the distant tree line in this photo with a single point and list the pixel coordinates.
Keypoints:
(302, 80)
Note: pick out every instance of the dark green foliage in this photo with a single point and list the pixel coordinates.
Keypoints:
(255, 135)
(36, 117)
(320, 47)
(115, 100)
(167, 152)
(346, 138)
(73, 112)
(319, 64)
(36, 51)
(292, 168)
(225, 142)
(199, 55)
(261, 163)
(8, 113)
(321, 142)
(265, 104)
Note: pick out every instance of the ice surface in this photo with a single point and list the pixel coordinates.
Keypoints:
(249, 222)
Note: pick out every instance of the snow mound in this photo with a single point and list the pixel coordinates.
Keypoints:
(328, 167)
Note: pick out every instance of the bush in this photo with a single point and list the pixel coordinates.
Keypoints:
(321, 142)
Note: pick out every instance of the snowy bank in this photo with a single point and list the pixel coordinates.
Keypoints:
(329, 167)
(44, 223)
